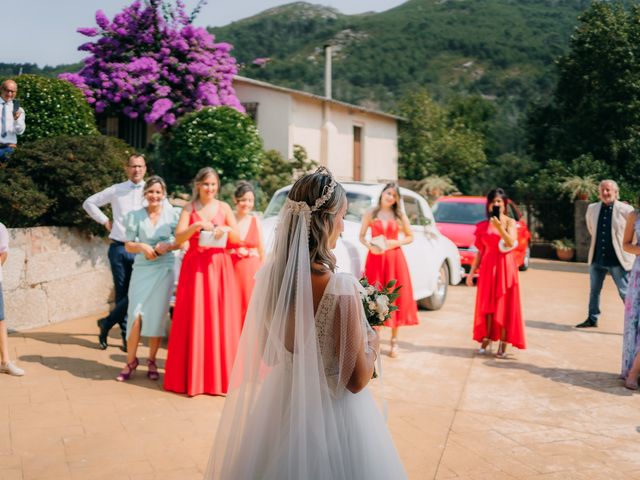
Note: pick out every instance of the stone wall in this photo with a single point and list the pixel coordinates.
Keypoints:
(54, 274)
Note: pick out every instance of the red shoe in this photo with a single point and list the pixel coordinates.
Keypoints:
(126, 373)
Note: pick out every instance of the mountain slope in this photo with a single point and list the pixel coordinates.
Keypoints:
(498, 48)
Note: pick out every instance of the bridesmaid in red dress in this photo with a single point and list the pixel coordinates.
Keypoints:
(498, 313)
(206, 321)
(248, 254)
(385, 260)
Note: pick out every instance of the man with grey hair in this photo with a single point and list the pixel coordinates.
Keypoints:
(606, 221)
(11, 119)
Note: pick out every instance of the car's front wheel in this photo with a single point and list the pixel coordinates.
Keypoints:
(436, 300)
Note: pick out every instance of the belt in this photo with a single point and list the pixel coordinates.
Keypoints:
(5, 145)
(117, 242)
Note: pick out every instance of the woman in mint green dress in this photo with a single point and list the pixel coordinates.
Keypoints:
(150, 235)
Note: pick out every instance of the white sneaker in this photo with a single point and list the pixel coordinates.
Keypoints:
(11, 369)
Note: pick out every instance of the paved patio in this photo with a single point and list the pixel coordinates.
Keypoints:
(554, 411)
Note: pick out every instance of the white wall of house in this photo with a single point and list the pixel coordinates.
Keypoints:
(287, 117)
(274, 114)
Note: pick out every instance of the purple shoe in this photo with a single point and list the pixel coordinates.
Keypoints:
(152, 373)
(126, 373)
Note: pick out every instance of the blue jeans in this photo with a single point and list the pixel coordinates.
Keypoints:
(121, 266)
(597, 273)
(5, 152)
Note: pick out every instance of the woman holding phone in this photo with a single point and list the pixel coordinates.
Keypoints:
(498, 313)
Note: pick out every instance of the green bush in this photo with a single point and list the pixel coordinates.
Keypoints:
(46, 181)
(53, 107)
(219, 137)
(277, 172)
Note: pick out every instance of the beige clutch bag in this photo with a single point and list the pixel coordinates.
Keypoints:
(379, 241)
(207, 239)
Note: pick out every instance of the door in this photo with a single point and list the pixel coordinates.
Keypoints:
(421, 253)
(357, 154)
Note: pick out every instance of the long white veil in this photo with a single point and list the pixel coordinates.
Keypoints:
(279, 419)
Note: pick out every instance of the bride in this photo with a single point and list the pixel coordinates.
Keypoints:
(297, 405)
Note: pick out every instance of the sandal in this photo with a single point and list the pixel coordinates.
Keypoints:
(152, 373)
(485, 346)
(130, 368)
(502, 350)
(393, 353)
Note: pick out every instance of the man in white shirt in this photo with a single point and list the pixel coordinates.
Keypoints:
(12, 121)
(123, 198)
(6, 365)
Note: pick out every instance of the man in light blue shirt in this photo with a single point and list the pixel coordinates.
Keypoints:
(123, 197)
(12, 121)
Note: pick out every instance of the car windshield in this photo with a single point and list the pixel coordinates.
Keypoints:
(357, 204)
(459, 212)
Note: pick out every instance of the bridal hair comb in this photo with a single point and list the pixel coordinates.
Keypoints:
(327, 191)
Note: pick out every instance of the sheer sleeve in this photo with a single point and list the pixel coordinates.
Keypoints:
(343, 332)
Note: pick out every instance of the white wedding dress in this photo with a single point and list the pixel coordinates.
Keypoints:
(288, 414)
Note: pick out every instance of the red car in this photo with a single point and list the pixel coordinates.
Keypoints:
(457, 216)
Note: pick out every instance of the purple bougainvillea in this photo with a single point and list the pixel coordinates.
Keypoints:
(150, 62)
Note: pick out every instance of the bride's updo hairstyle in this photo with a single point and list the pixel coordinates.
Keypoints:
(309, 189)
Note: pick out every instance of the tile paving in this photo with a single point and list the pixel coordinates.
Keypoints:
(554, 411)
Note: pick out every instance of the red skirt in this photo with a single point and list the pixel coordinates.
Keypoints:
(206, 325)
(389, 266)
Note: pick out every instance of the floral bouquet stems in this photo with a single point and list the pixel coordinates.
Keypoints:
(378, 301)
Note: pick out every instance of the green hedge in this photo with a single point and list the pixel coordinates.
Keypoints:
(46, 181)
(53, 107)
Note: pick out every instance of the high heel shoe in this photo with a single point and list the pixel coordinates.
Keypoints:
(393, 353)
(502, 350)
(631, 384)
(485, 346)
(126, 374)
(152, 373)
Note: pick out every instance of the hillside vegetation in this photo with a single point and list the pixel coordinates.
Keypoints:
(501, 49)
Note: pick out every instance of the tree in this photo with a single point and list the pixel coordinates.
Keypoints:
(219, 137)
(595, 109)
(433, 142)
(53, 107)
(151, 62)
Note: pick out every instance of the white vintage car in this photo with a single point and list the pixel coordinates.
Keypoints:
(434, 261)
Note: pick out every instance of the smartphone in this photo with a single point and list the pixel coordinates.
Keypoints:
(495, 211)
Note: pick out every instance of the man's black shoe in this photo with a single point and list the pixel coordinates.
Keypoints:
(102, 336)
(124, 343)
(588, 323)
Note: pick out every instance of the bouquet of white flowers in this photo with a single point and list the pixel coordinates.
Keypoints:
(378, 300)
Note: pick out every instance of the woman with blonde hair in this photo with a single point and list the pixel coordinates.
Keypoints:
(206, 321)
(390, 229)
(298, 406)
(150, 236)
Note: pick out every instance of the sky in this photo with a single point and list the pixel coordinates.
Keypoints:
(44, 31)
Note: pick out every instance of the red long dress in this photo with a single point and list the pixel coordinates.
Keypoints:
(498, 290)
(392, 265)
(246, 263)
(206, 324)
